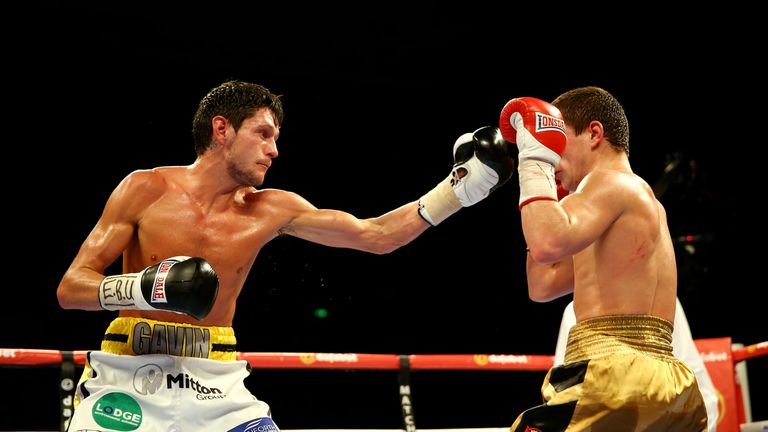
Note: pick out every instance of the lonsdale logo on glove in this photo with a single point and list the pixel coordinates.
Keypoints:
(158, 287)
(546, 122)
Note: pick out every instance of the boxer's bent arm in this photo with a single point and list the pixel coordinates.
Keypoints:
(549, 281)
(336, 228)
(554, 231)
(79, 288)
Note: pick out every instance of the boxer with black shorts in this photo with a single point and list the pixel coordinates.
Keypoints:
(608, 243)
(188, 236)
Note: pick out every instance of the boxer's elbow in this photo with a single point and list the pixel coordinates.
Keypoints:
(542, 295)
(67, 293)
(63, 294)
(382, 248)
(549, 281)
(548, 250)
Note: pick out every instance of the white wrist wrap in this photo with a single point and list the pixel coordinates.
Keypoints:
(122, 292)
(537, 181)
(439, 203)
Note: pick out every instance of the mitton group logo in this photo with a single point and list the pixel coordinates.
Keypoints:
(149, 379)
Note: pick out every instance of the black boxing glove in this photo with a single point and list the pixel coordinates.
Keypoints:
(179, 284)
(483, 162)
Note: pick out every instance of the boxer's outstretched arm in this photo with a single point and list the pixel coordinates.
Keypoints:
(336, 228)
(482, 164)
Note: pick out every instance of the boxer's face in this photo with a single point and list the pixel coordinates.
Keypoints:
(250, 152)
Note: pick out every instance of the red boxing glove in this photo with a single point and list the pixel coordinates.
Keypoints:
(538, 129)
(536, 126)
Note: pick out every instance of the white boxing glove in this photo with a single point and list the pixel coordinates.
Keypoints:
(483, 162)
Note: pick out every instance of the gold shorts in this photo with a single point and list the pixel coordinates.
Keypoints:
(619, 375)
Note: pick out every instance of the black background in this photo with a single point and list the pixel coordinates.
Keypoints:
(375, 95)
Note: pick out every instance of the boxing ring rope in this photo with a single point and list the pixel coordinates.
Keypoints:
(404, 364)
(353, 361)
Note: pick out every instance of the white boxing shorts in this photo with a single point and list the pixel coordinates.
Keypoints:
(166, 393)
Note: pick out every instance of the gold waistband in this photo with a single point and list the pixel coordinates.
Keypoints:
(620, 334)
(137, 336)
